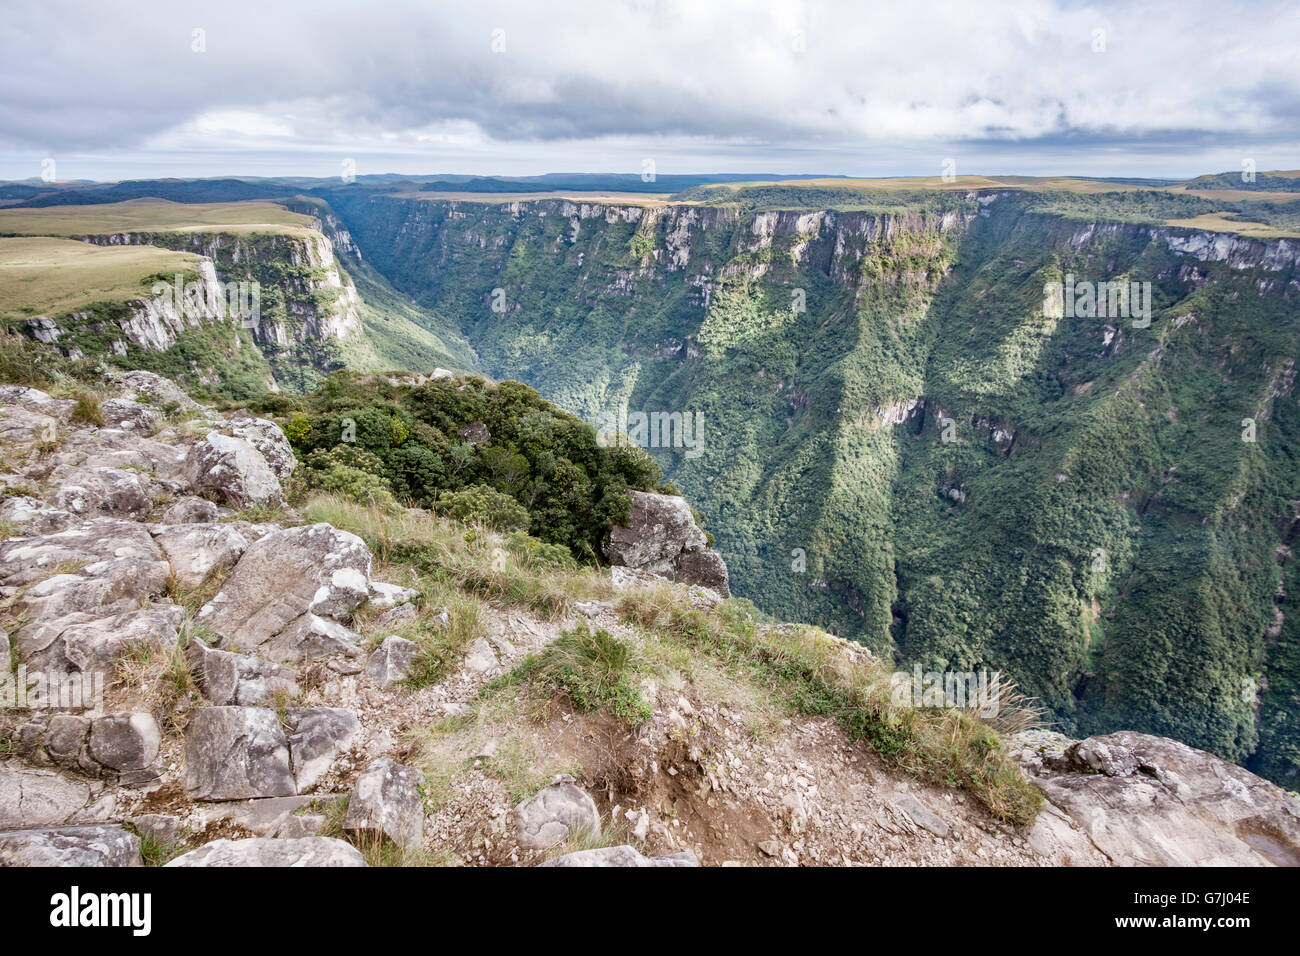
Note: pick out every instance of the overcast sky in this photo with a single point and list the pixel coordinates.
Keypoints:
(171, 88)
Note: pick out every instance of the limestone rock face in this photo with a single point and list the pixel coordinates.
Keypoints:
(661, 537)
(556, 812)
(230, 471)
(70, 846)
(236, 753)
(1137, 800)
(267, 437)
(263, 851)
(387, 800)
(313, 570)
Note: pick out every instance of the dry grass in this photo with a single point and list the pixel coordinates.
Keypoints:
(152, 215)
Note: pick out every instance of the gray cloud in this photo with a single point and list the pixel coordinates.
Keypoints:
(834, 81)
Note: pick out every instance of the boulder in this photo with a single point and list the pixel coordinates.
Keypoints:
(125, 742)
(130, 416)
(391, 661)
(162, 828)
(190, 510)
(195, 551)
(554, 814)
(284, 817)
(94, 492)
(70, 846)
(23, 426)
(262, 851)
(386, 800)
(35, 798)
(1141, 800)
(660, 537)
(310, 638)
(316, 736)
(657, 527)
(267, 437)
(152, 389)
(622, 856)
(315, 569)
(236, 753)
(230, 471)
(229, 679)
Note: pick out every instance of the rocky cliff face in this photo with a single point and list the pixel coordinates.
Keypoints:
(256, 693)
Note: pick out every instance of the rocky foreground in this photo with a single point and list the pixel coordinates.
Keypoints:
(253, 701)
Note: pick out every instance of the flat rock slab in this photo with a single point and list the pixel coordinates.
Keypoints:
(236, 753)
(34, 798)
(70, 846)
(195, 551)
(391, 661)
(621, 856)
(315, 569)
(260, 851)
(83, 642)
(272, 817)
(387, 800)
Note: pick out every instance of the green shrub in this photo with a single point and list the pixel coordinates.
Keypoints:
(593, 669)
(486, 504)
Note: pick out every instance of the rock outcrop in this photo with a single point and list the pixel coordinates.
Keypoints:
(660, 537)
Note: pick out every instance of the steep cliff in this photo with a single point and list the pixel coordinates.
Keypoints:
(902, 439)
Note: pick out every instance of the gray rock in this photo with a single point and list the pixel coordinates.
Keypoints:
(24, 426)
(190, 510)
(316, 736)
(315, 569)
(114, 565)
(555, 813)
(387, 800)
(153, 389)
(385, 595)
(66, 741)
(481, 658)
(391, 661)
(226, 678)
(230, 471)
(31, 516)
(1150, 801)
(162, 828)
(70, 846)
(268, 817)
(196, 551)
(262, 851)
(269, 440)
(131, 416)
(660, 537)
(922, 815)
(657, 527)
(83, 643)
(395, 617)
(310, 638)
(36, 798)
(622, 856)
(236, 753)
(125, 741)
(95, 492)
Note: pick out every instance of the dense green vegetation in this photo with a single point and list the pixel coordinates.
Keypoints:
(498, 454)
(1096, 526)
